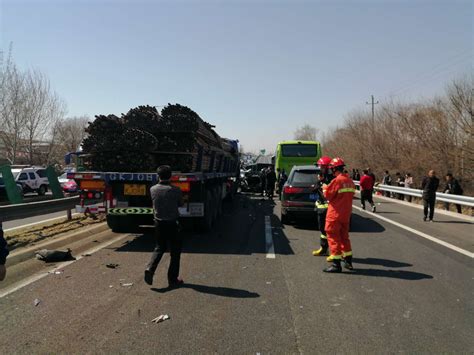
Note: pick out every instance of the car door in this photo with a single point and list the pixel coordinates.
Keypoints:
(33, 180)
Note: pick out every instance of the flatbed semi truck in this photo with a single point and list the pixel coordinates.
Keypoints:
(125, 197)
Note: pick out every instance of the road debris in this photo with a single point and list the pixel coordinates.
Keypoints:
(161, 318)
(86, 254)
(127, 284)
(36, 302)
(112, 266)
(49, 256)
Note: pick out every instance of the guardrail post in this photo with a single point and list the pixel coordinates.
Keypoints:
(69, 215)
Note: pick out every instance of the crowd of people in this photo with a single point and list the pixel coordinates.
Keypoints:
(429, 185)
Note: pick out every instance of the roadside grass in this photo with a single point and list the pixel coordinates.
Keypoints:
(30, 235)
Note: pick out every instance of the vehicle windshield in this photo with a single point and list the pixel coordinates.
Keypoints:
(309, 177)
(299, 150)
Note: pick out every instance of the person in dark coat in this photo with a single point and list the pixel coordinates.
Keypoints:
(270, 179)
(429, 186)
(281, 182)
(3, 254)
(452, 187)
(166, 200)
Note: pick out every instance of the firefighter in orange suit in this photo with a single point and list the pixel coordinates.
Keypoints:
(339, 193)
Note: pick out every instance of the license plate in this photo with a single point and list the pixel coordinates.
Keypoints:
(313, 197)
(134, 189)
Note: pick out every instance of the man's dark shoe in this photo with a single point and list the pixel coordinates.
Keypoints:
(149, 277)
(176, 283)
(334, 268)
(348, 262)
(424, 219)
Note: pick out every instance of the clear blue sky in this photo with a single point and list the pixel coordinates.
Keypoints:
(255, 69)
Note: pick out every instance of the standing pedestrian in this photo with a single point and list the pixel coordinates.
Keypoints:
(166, 200)
(387, 180)
(357, 176)
(400, 180)
(408, 184)
(324, 178)
(452, 187)
(371, 174)
(263, 180)
(429, 185)
(366, 189)
(281, 182)
(339, 193)
(3, 254)
(270, 179)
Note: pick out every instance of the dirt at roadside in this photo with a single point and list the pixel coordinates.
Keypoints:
(30, 235)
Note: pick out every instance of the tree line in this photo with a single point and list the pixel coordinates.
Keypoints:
(33, 124)
(415, 137)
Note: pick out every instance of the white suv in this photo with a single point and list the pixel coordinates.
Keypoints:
(32, 179)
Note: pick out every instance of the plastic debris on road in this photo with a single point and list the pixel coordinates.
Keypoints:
(127, 284)
(161, 318)
(36, 302)
(112, 266)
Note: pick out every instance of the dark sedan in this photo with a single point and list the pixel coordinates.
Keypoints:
(299, 193)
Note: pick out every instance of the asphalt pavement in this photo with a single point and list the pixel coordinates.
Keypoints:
(406, 294)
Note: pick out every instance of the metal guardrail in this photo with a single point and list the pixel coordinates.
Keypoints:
(25, 210)
(456, 199)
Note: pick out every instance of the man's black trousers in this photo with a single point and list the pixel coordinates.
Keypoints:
(366, 195)
(429, 203)
(167, 238)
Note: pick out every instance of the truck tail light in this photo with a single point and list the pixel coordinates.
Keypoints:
(183, 186)
(292, 190)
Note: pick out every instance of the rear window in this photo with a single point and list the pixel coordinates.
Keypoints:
(309, 177)
(41, 173)
(299, 150)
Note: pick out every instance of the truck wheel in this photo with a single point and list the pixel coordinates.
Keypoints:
(219, 202)
(205, 224)
(42, 190)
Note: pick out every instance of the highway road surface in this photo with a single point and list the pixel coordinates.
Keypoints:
(252, 286)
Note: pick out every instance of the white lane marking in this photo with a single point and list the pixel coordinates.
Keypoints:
(35, 223)
(269, 247)
(20, 284)
(421, 234)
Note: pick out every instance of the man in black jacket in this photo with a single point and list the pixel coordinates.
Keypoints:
(3, 254)
(452, 187)
(429, 186)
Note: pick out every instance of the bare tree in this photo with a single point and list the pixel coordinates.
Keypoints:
(12, 101)
(306, 133)
(71, 132)
(28, 112)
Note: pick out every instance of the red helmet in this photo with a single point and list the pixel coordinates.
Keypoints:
(337, 162)
(324, 161)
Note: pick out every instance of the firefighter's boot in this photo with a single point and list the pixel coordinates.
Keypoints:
(323, 250)
(335, 267)
(348, 262)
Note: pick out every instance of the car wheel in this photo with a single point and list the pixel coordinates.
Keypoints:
(42, 190)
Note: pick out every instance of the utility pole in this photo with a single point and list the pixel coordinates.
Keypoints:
(372, 103)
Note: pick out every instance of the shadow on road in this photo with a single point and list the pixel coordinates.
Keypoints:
(455, 222)
(381, 262)
(239, 231)
(211, 290)
(361, 224)
(395, 274)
